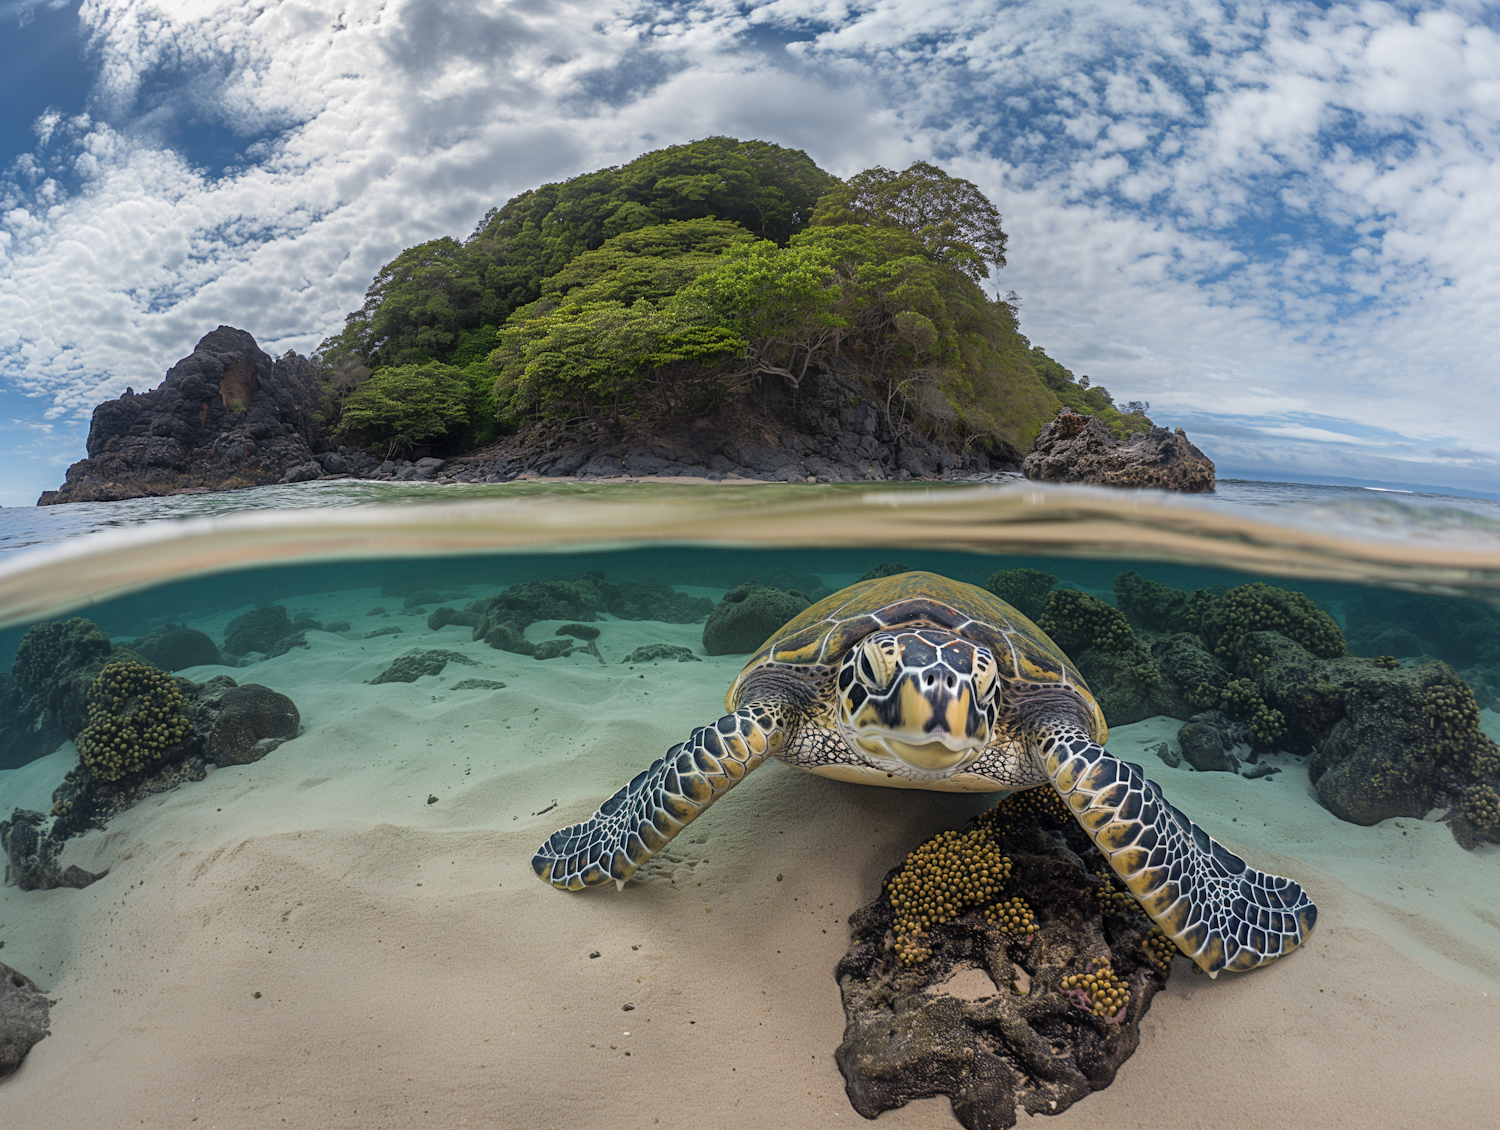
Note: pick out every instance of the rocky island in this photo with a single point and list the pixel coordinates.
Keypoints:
(722, 309)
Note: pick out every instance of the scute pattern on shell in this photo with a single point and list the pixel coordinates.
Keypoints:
(822, 634)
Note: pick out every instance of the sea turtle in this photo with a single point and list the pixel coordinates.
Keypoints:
(916, 681)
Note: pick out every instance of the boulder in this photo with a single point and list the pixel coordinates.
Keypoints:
(226, 416)
(260, 629)
(1075, 448)
(652, 652)
(31, 853)
(249, 721)
(23, 1018)
(173, 647)
(747, 616)
(1207, 744)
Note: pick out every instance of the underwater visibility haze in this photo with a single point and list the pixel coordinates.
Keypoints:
(271, 785)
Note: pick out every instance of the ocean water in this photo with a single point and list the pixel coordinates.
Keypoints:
(443, 781)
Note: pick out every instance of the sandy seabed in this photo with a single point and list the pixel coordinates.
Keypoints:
(411, 971)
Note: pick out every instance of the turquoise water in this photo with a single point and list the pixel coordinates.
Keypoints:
(487, 754)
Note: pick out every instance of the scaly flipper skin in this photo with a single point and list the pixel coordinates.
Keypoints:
(639, 820)
(1220, 911)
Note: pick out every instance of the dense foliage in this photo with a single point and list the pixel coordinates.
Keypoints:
(670, 284)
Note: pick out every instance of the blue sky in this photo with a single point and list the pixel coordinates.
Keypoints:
(1277, 222)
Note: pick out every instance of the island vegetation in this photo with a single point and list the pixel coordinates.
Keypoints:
(672, 285)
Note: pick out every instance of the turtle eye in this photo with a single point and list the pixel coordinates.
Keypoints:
(877, 666)
(985, 681)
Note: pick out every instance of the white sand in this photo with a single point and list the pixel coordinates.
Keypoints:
(414, 973)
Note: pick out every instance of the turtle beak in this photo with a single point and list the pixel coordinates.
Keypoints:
(936, 728)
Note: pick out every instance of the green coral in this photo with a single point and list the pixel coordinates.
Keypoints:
(1078, 622)
(1453, 716)
(1025, 590)
(1259, 607)
(46, 649)
(135, 717)
(1241, 698)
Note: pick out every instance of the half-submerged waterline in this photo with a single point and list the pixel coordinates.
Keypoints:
(470, 677)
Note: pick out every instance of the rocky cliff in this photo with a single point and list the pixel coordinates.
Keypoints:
(1074, 448)
(226, 416)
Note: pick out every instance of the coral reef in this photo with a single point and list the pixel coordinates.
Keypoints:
(747, 616)
(135, 719)
(1071, 979)
(1118, 669)
(1025, 590)
(23, 1018)
(1259, 607)
(885, 569)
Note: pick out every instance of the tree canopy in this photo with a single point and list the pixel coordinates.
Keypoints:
(672, 282)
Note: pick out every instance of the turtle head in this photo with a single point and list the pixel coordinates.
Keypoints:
(922, 697)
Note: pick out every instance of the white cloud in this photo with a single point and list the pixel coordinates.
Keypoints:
(1273, 210)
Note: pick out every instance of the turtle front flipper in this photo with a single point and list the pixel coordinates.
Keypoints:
(1220, 911)
(639, 820)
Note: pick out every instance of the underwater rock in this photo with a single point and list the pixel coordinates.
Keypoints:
(226, 416)
(56, 663)
(1407, 737)
(23, 1018)
(1119, 671)
(553, 649)
(652, 652)
(504, 635)
(249, 721)
(26, 732)
(1206, 746)
(653, 599)
(1025, 590)
(747, 616)
(423, 597)
(260, 630)
(388, 630)
(31, 856)
(173, 647)
(1075, 448)
(479, 685)
(337, 626)
(578, 631)
(410, 668)
(442, 617)
(1036, 1036)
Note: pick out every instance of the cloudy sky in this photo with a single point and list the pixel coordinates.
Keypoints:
(1277, 222)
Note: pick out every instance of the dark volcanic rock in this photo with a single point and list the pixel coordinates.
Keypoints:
(226, 416)
(442, 617)
(23, 1018)
(986, 1019)
(173, 647)
(1075, 448)
(747, 616)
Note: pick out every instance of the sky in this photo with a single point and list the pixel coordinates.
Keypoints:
(1278, 223)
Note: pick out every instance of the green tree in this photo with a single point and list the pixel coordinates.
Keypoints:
(954, 220)
(404, 405)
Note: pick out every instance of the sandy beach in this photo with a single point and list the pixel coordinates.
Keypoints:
(308, 941)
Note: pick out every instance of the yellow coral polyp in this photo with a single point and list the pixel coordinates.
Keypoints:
(943, 877)
(1106, 993)
(1160, 949)
(1013, 916)
(135, 716)
(1482, 805)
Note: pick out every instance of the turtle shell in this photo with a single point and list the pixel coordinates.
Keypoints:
(822, 635)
